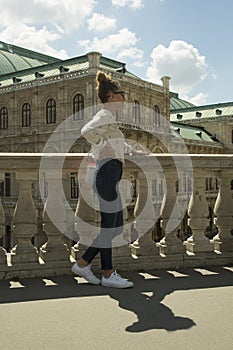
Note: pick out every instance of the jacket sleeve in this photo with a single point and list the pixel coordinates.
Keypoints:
(92, 135)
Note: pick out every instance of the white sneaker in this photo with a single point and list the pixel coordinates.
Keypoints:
(116, 281)
(86, 273)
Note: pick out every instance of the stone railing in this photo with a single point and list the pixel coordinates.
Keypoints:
(163, 208)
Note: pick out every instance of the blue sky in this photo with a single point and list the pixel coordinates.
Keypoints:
(189, 40)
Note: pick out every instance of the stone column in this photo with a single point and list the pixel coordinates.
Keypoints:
(25, 221)
(54, 218)
(3, 256)
(171, 218)
(223, 210)
(198, 216)
(145, 217)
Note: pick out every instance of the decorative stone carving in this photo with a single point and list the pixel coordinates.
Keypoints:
(144, 213)
(54, 217)
(25, 221)
(198, 216)
(223, 210)
(171, 218)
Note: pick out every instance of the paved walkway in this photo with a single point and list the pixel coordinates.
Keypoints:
(189, 309)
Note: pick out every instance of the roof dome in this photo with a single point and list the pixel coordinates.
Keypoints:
(14, 59)
(177, 103)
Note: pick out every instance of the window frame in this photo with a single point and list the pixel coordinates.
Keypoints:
(3, 118)
(156, 115)
(78, 106)
(51, 113)
(136, 112)
(26, 115)
(74, 187)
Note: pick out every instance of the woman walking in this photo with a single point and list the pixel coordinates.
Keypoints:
(108, 148)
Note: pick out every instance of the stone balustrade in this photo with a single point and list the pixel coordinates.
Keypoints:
(166, 213)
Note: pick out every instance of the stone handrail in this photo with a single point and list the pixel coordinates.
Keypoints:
(165, 211)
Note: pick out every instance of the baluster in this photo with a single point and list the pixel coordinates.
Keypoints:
(171, 218)
(198, 216)
(122, 252)
(223, 210)
(145, 218)
(85, 224)
(54, 218)
(25, 221)
(3, 256)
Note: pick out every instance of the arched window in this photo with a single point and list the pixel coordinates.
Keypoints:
(78, 107)
(51, 111)
(156, 115)
(136, 112)
(231, 185)
(74, 191)
(3, 118)
(26, 114)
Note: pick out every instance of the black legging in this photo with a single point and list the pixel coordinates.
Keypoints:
(106, 180)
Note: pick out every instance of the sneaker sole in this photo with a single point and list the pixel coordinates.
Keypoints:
(116, 286)
(80, 275)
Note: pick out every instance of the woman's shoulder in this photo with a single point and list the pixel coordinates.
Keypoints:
(103, 116)
(104, 113)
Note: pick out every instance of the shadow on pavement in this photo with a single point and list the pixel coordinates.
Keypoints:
(145, 299)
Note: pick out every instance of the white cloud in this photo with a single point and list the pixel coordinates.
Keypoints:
(67, 14)
(198, 100)
(113, 43)
(131, 52)
(181, 61)
(134, 4)
(33, 39)
(101, 23)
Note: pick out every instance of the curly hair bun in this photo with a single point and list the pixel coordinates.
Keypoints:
(101, 77)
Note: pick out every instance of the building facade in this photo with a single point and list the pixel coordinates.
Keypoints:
(38, 93)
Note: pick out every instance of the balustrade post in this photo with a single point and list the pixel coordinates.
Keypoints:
(144, 213)
(123, 252)
(3, 256)
(25, 221)
(171, 218)
(85, 224)
(54, 223)
(198, 216)
(223, 210)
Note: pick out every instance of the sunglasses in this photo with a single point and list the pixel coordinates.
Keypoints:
(120, 92)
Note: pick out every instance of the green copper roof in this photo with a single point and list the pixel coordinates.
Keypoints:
(178, 103)
(197, 114)
(15, 59)
(194, 133)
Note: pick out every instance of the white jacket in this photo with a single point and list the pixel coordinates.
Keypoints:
(103, 131)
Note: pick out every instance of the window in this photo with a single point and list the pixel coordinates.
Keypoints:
(26, 115)
(118, 115)
(156, 115)
(51, 111)
(136, 112)
(73, 185)
(161, 190)
(3, 118)
(231, 185)
(154, 187)
(232, 136)
(211, 184)
(5, 186)
(78, 107)
(134, 188)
